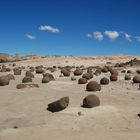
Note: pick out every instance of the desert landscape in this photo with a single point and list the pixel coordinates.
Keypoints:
(70, 97)
(69, 70)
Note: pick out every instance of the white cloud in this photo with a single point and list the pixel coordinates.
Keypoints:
(31, 37)
(49, 28)
(138, 38)
(89, 35)
(98, 35)
(112, 34)
(127, 36)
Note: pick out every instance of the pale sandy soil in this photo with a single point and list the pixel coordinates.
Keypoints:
(115, 119)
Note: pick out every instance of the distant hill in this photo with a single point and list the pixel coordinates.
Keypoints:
(13, 58)
(5, 57)
(9, 58)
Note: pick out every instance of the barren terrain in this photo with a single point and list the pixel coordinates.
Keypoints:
(23, 114)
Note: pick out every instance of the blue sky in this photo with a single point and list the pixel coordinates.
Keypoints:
(70, 27)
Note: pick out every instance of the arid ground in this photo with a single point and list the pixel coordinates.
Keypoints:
(23, 113)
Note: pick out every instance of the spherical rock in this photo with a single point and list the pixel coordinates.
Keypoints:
(82, 81)
(39, 71)
(86, 76)
(46, 79)
(136, 79)
(104, 81)
(65, 72)
(78, 72)
(10, 76)
(29, 74)
(26, 80)
(91, 101)
(91, 74)
(50, 76)
(3, 69)
(114, 72)
(89, 69)
(138, 71)
(93, 86)
(17, 71)
(113, 77)
(104, 69)
(32, 69)
(4, 80)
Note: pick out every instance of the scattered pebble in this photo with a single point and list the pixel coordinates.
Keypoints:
(15, 127)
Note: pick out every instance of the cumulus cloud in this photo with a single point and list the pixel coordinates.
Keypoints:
(31, 37)
(112, 34)
(49, 28)
(138, 38)
(127, 36)
(98, 35)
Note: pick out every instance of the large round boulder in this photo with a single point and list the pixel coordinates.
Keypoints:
(10, 76)
(86, 76)
(4, 80)
(91, 101)
(91, 74)
(32, 69)
(39, 70)
(104, 69)
(93, 86)
(17, 71)
(136, 79)
(114, 72)
(113, 77)
(78, 72)
(26, 80)
(50, 76)
(82, 81)
(3, 69)
(29, 74)
(65, 72)
(46, 79)
(138, 71)
(104, 81)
